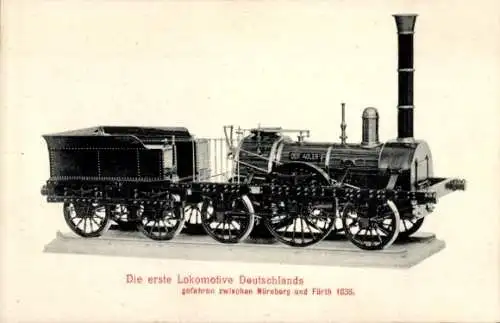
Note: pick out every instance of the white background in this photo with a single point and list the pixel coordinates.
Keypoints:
(203, 64)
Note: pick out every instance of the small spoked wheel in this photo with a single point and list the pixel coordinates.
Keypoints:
(120, 214)
(299, 225)
(86, 219)
(408, 226)
(230, 224)
(371, 227)
(193, 225)
(161, 222)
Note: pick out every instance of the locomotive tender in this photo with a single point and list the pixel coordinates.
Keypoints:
(262, 181)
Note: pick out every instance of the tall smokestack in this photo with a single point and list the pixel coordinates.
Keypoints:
(405, 25)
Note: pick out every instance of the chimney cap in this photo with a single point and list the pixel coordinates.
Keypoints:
(405, 15)
(405, 23)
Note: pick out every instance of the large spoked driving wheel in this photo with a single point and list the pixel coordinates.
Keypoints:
(228, 225)
(86, 219)
(304, 221)
(371, 227)
(299, 225)
(161, 222)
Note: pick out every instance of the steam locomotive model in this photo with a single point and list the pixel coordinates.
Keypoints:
(164, 180)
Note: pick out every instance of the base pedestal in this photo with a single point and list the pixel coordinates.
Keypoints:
(326, 253)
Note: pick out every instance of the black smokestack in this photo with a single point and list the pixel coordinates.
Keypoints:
(405, 25)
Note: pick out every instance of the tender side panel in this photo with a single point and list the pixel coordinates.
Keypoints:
(185, 157)
(117, 152)
(74, 162)
(106, 163)
(116, 162)
(150, 163)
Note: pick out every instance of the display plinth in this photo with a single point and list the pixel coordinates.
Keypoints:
(338, 252)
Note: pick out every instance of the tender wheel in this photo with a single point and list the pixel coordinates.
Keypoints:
(299, 225)
(408, 226)
(192, 224)
(230, 224)
(87, 219)
(161, 222)
(121, 216)
(372, 227)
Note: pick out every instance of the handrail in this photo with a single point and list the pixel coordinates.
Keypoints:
(229, 139)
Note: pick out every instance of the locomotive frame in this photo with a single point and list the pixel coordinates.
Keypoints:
(253, 181)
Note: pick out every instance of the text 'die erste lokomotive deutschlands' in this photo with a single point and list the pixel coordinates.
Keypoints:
(239, 285)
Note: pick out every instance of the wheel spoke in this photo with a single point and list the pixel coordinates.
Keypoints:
(404, 224)
(381, 228)
(410, 225)
(310, 224)
(302, 231)
(313, 234)
(284, 223)
(378, 235)
(93, 220)
(79, 222)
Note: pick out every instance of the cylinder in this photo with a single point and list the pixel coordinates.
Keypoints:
(370, 128)
(405, 25)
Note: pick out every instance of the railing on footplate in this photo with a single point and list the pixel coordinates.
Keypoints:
(213, 160)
